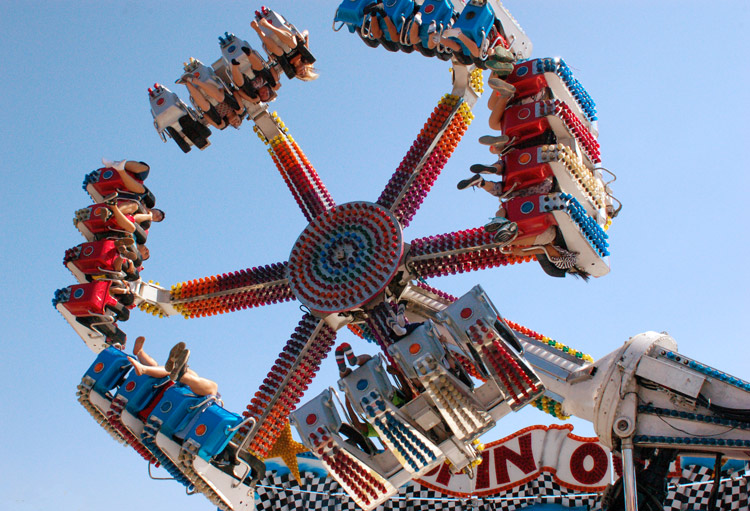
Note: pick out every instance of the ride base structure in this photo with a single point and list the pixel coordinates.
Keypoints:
(449, 368)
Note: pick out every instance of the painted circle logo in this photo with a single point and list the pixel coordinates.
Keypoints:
(160, 101)
(527, 207)
(88, 250)
(522, 71)
(130, 387)
(311, 419)
(98, 367)
(78, 293)
(166, 407)
(429, 9)
(107, 174)
(524, 158)
(200, 429)
(524, 113)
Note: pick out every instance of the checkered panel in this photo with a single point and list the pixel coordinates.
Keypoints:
(282, 493)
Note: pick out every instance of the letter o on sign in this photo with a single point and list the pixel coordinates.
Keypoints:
(598, 467)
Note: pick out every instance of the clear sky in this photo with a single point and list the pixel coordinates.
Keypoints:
(669, 79)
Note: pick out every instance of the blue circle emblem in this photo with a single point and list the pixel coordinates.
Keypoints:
(527, 207)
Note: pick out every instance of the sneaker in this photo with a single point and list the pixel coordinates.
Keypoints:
(173, 354)
(506, 233)
(397, 329)
(452, 32)
(495, 224)
(503, 54)
(401, 314)
(418, 18)
(180, 366)
(499, 69)
(501, 86)
(111, 164)
(494, 140)
(478, 168)
(475, 180)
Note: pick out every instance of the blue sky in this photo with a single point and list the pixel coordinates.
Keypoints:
(669, 84)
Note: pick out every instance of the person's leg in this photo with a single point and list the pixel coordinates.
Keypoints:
(416, 24)
(450, 44)
(237, 77)
(496, 114)
(210, 89)
(143, 357)
(198, 99)
(200, 386)
(121, 220)
(270, 45)
(392, 32)
(256, 61)
(469, 43)
(375, 31)
(123, 168)
(284, 34)
(148, 370)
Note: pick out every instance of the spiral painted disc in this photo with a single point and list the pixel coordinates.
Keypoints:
(345, 257)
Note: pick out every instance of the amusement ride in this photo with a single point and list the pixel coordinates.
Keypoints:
(449, 368)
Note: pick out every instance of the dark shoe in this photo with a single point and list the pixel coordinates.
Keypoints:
(501, 86)
(180, 366)
(478, 168)
(173, 354)
(472, 181)
(376, 8)
(246, 50)
(502, 54)
(506, 233)
(494, 139)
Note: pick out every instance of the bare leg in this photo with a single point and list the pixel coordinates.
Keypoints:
(271, 47)
(148, 370)
(143, 357)
(392, 32)
(496, 115)
(414, 33)
(285, 36)
(128, 207)
(375, 29)
(198, 98)
(470, 45)
(256, 62)
(200, 386)
(211, 90)
(122, 221)
(450, 44)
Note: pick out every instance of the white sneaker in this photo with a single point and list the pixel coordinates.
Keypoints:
(117, 165)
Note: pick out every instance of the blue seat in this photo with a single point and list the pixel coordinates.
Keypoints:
(351, 13)
(139, 391)
(108, 370)
(175, 409)
(399, 11)
(210, 431)
(476, 23)
(439, 11)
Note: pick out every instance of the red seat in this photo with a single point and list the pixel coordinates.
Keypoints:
(92, 258)
(530, 215)
(90, 299)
